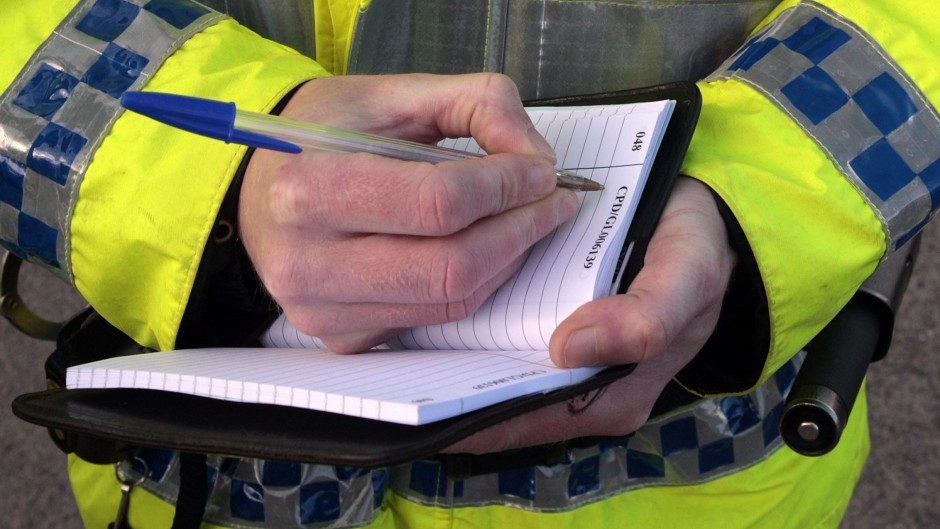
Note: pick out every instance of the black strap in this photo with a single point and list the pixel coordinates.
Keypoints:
(194, 491)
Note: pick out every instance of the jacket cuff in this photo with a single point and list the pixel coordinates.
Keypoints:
(810, 238)
(732, 359)
(228, 304)
(150, 201)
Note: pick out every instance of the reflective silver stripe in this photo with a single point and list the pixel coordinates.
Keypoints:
(65, 99)
(710, 439)
(554, 48)
(843, 89)
(256, 493)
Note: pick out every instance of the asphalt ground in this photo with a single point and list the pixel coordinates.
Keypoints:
(899, 486)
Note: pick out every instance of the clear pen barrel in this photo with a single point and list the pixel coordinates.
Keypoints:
(320, 137)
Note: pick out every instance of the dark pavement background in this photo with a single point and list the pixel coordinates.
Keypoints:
(900, 486)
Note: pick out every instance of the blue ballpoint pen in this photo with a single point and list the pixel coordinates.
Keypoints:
(223, 121)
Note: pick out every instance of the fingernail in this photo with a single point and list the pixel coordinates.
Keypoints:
(581, 348)
(569, 205)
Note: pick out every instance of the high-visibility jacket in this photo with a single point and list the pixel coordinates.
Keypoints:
(819, 132)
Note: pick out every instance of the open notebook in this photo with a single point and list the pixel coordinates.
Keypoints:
(498, 353)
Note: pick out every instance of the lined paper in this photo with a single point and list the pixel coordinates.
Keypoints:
(405, 387)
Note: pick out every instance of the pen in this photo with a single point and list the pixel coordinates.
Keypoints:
(220, 120)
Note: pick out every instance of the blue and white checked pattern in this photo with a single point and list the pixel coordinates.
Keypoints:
(710, 439)
(859, 106)
(64, 101)
(258, 493)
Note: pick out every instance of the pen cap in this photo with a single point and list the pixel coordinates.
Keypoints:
(205, 117)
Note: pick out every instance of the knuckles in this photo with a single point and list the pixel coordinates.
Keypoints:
(289, 197)
(280, 279)
(459, 310)
(453, 278)
(439, 210)
(649, 335)
(498, 87)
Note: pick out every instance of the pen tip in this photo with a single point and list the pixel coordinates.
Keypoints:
(577, 182)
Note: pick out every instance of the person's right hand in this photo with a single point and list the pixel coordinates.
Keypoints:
(354, 247)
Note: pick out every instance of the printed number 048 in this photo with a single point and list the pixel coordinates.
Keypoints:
(638, 142)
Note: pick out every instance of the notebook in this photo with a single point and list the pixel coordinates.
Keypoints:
(441, 371)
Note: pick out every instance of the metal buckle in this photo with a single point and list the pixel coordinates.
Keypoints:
(15, 310)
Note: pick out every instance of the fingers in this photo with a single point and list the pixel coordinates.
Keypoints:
(400, 269)
(371, 194)
(497, 120)
(675, 297)
(363, 193)
(351, 245)
(332, 320)
(426, 108)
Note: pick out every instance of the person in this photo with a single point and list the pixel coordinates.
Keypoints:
(816, 156)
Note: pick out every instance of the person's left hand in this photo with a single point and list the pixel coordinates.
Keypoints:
(664, 319)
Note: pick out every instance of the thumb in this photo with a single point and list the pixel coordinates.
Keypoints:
(676, 295)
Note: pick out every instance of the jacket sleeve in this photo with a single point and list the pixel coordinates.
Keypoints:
(120, 205)
(821, 137)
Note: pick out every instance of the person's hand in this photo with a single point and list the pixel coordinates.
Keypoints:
(664, 319)
(354, 247)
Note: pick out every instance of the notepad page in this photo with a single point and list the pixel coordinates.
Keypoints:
(613, 145)
(406, 387)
